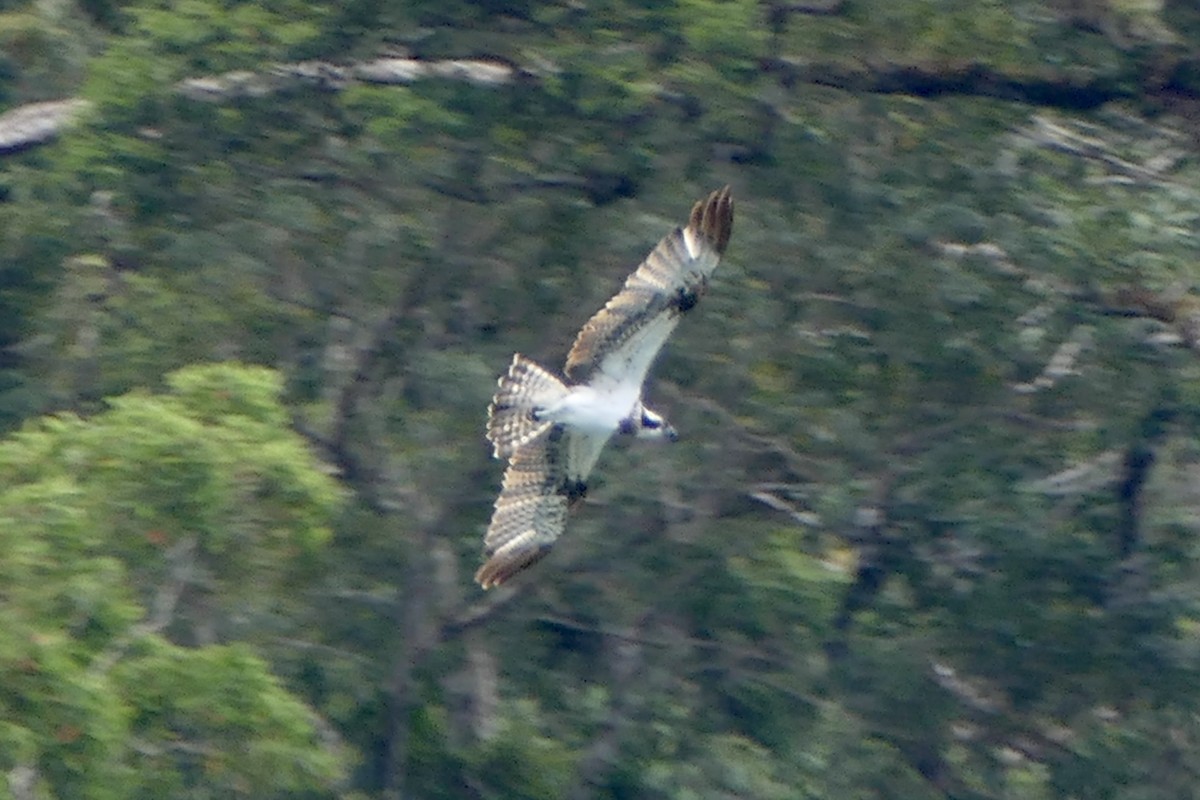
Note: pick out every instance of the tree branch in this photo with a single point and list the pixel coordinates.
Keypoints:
(625, 661)
(23, 782)
(37, 123)
(182, 558)
(874, 561)
(1050, 88)
(330, 76)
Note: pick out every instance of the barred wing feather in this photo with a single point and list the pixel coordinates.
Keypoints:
(544, 479)
(620, 341)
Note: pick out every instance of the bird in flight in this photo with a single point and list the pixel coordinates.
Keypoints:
(551, 432)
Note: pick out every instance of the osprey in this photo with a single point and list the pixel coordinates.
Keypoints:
(552, 432)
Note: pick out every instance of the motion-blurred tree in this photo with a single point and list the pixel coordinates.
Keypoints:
(928, 533)
(137, 542)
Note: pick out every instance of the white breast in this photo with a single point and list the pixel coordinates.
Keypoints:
(594, 410)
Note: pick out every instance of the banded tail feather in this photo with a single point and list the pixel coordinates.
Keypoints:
(525, 387)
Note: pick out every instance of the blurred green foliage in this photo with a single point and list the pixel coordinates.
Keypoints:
(143, 522)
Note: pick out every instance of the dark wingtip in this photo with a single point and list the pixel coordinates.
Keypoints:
(712, 218)
(499, 568)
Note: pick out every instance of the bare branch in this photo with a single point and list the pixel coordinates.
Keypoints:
(1091, 475)
(145, 748)
(998, 259)
(801, 463)
(991, 253)
(182, 558)
(1061, 364)
(1045, 132)
(23, 781)
(769, 495)
(327, 75)
(476, 614)
(971, 693)
(37, 123)
(318, 647)
(384, 600)
(626, 660)
(1050, 87)
(635, 636)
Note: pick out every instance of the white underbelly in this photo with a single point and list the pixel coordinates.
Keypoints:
(587, 409)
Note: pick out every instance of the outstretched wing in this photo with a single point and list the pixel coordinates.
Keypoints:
(620, 341)
(544, 479)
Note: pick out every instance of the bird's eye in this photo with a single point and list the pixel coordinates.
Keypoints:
(650, 422)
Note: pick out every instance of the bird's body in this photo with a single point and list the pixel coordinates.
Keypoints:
(594, 410)
(551, 433)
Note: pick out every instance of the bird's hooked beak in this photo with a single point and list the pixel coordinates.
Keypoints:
(669, 433)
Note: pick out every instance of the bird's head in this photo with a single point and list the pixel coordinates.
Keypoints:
(652, 425)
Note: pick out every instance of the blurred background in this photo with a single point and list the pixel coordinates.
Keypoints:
(931, 528)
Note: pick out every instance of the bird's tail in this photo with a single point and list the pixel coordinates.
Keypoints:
(511, 422)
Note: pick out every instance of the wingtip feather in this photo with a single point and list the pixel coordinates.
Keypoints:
(503, 565)
(712, 218)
